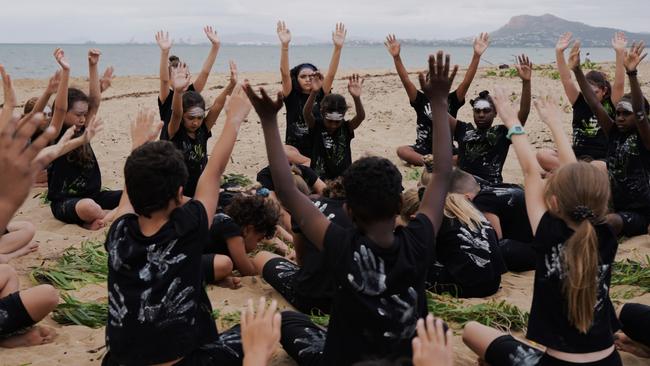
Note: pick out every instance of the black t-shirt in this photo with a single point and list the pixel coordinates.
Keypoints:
(195, 152)
(548, 323)
(331, 154)
(628, 163)
(67, 177)
(588, 138)
(223, 228)
(297, 133)
(157, 302)
(423, 111)
(314, 278)
(507, 201)
(266, 180)
(472, 257)
(165, 110)
(482, 152)
(380, 292)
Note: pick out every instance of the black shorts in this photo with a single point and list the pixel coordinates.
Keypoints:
(303, 340)
(64, 210)
(635, 321)
(13, 315)
(207, 267)
(507, 351)
(634, 222)
(226, 350)
(282, 275)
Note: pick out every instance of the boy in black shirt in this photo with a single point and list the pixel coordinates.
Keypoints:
(158, 304)
(413, 154)
(379, 272)
(332, 135)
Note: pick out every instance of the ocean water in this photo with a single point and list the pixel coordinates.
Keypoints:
(36, 60)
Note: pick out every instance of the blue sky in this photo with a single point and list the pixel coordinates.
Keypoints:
(124, 20)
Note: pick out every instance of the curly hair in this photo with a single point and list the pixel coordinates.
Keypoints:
(373, 187)
(263, 214)
(334, 188)
(153, 173)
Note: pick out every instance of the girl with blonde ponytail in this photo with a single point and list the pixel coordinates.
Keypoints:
(571, 313)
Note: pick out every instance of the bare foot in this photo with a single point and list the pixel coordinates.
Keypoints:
(33, 337)
(626, 344)
(29, 248)
(230, 282)
(95, 225)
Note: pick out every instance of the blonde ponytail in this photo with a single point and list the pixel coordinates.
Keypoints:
(459, 207)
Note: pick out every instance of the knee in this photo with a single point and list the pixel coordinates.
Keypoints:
(48, 296)
(222, 266)
(401, 151)
(470, 329)
(88, 206)
(615, 221)
(261, 259)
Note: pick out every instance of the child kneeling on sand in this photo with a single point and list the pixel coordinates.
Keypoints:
(159, 312)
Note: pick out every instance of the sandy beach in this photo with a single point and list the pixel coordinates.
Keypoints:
(390, 122)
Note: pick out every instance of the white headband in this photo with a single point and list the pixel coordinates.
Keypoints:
(196, 111)
(626, 106)
(482, 104)
(334, 116)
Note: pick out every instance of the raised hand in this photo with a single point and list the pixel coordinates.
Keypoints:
(619, 42)
(432, 346)
(481, 43)
(548, 109)
(59, 56)
(238, 106)
(392, 45)
(212, 36)
(316, 81)
(563, 42)
(9, 97)
(260, 331)
(106, 80)
(524, 67)
(53, 83)
(94, 126)
(93, 56)
(338, 36)
(574, 56)
(283, 33)
(233, 72)
(634, 56)
(180, 77)
(438, 81)
(264, 105)
(162, 38)
(354, 85)
(144, 128)
(504, 108)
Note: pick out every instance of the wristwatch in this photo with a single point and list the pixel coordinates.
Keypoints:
(515, 130)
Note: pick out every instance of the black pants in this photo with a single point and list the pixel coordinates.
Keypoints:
(507, 351)
(519, 256)
(13, 315)
(64, 210)
(635, 321)
(303, 340)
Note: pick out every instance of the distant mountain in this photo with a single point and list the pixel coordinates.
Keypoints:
(544, 30)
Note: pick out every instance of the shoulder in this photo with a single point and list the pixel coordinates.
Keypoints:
(580, 101)
(190, 217)
(420, 99)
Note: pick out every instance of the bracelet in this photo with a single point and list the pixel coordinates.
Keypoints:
(631, 72)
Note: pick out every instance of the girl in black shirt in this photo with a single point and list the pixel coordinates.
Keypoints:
(571, 313)
(296, 87)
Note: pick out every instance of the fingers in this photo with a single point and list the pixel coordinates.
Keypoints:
(453, 74)
(431, 330)
(422, 79)
(439, 331)
(417, 347)
(421, 330)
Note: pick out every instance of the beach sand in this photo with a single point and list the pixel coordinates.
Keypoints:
(390, 122)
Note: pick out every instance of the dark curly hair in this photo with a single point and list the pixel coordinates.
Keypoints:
(263, 214)
(333, 103)
(153, 173)
(373, 188)
(334, 188)
(484, 95)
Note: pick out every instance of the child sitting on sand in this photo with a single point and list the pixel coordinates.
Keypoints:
(158, 304)
(379, 272)
(332, 134)
(413, 154)
(190, 126)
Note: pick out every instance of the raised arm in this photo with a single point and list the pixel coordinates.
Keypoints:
(106, 80)
(165, 44)
(284, 34)
(394, 48)
(338, 38)
(9, 98)
(604, 120)
(180, 82)
(534, 185)
(44, 99)
(202, 78)
(354, 87)
(525, 70)
(619, 43)
(220, 101)
(95, 94)
(436, 88)
(481, 44)
(312, 222)
(208, 186)
(67, 143)
(549, 112)
(308, 109)
(632, 59)
(570, 88)
(61, 101)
